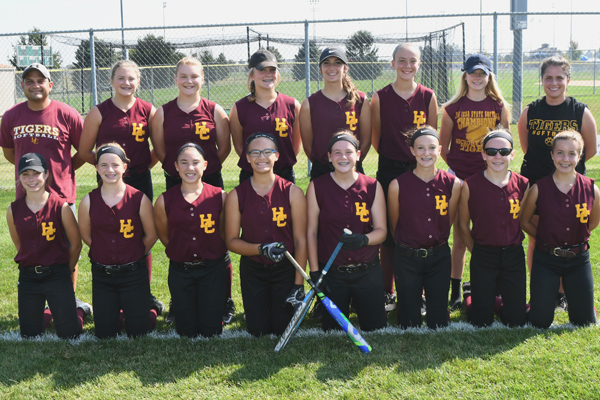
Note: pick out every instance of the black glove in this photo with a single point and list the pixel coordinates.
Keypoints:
(294, 298)
(315, 276)
(273, 251)
(354, 241)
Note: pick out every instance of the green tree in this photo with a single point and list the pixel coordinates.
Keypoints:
(275, 52)
(34, 39)
(298, 71)
(362, 53)
(574, 51)
(105, 55)
(152, 51)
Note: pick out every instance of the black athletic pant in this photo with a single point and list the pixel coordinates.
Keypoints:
(577, 279)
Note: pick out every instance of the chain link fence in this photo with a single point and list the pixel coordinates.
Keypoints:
(445, 41)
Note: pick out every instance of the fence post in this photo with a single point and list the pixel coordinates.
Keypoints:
(496, 44)
(93, 64)
(307, 71)
(152, 82)
(594, 90)
(517, 73)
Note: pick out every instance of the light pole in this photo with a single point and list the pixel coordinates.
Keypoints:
(164, 31)
(123, 34)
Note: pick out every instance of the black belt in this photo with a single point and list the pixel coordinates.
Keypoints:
(193, 265)
(117, 269)
(38, 269)
(353, 268)
(201, 264)
(419, 253)
(135, 172)
(565, 252)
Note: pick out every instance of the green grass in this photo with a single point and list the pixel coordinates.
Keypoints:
(458, 362)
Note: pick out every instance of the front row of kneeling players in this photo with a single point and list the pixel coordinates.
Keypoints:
(197, 223)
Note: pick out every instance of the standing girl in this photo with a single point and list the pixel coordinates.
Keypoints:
(123, 234)
(266, 110)
(476, 109)
(421, 214)
(338, 106)
(568, 210)
(124, 119)
(44, 231)
(346, 199)
(541, 120)
(189, 220)
(396, 109)
(492, 200)
(271, 213)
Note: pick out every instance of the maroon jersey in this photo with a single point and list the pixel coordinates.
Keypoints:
(344, 208)
(495, 211)
(328, 117)
(266, 219)
(196, 127)
(473, 120)
(194, 231)
(117, 232)
(424, 221)
(50, 132)
(43, 241)
(564, 218)
(129, 129)
(278, 120)
(399, 115)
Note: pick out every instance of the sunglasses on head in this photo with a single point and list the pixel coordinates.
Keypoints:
(490, 151)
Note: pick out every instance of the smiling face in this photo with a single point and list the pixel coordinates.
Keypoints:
(125, 81)
(262, 163)
(406, 62)
(343, 156)
(191, 165)
(498, 162)
(268, 78)
(36, 86)
(110, 167)
(555, 82)
(566, 154)
(426, 150)
(33, 181)
(189, 79)
(333, 69)
(477, 81)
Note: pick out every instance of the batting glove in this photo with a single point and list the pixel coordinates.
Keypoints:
(294, 298)
(273, 251)
(354, 241)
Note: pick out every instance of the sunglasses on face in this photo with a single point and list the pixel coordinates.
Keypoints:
(266, 152)
(490, 151)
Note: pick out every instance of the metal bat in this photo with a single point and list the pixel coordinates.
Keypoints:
(333, 310)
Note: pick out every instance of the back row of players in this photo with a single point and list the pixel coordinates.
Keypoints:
(419, 241)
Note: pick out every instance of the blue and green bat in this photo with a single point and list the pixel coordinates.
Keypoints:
(333, 310)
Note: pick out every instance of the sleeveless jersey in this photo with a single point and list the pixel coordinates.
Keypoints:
(344, 208)
(329, 117)
(41, 234)
(129, 129)
(472, 122)
(564, 218)
(194, 231)
(197, 127)
(495, 211)
(544, 122)
(266, 219)
(424, 221)
(399, 116)
(117, 233)
(278, 120)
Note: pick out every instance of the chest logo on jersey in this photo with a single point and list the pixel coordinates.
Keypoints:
(419, 118)
(207, 223)
(362, 212)
(279, 216)
(202, 130)
(515, 207)
(126, 229)
(351, 120)
(582, 212)
(441, 204)
(281, 127)
(48, 231)
(138, 131)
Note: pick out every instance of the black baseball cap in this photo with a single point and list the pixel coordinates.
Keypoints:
(262, 59)
(33, 161)
(333, 52)
(37, 67)
(478, 61)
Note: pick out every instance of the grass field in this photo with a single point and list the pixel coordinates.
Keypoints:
(456, 362)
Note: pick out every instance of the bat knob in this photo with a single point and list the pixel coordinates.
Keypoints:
(347, 231)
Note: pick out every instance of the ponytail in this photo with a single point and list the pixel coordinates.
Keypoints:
(352, 97)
